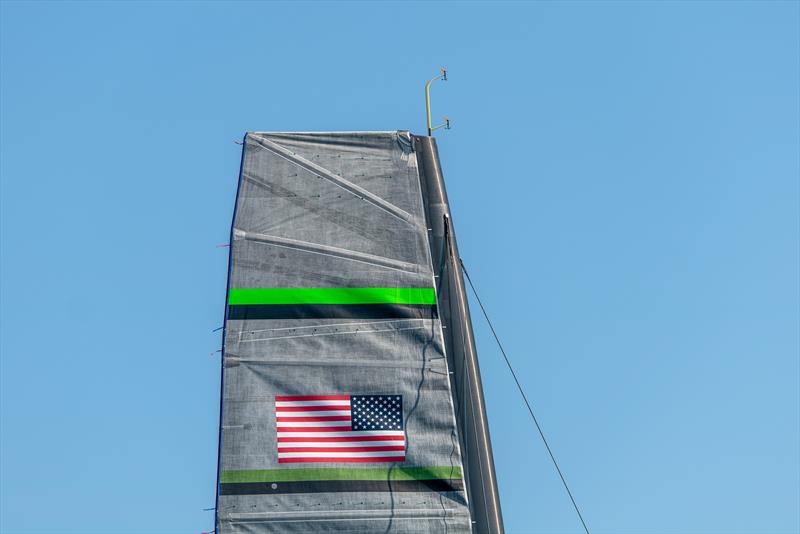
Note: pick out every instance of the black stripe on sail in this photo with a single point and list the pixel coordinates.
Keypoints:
(336, 486)
(243, 312)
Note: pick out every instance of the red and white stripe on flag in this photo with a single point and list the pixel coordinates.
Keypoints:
(318, 428)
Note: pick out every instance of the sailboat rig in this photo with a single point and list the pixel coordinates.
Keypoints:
(351, 392)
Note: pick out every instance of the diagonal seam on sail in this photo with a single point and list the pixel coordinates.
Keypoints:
(328, 250)
(334, 178)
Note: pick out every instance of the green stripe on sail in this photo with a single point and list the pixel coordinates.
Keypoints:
(331, 295)
(340, 473)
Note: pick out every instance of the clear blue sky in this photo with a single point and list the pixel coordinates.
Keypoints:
(624, 180)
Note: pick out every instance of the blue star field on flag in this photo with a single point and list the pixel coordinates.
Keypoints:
(377, 412)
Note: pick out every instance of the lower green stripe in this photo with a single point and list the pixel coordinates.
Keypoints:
(331, 295)
(340, 473)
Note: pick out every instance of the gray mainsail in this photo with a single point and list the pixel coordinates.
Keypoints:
(351, 397)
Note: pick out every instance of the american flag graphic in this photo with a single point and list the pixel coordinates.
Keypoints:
(340, 428)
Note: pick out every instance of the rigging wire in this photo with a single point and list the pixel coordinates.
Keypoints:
(524, 397)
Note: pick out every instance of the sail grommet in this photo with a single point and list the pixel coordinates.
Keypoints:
(273, 486)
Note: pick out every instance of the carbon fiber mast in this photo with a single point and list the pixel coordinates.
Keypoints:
(473, 427)
(467, 389)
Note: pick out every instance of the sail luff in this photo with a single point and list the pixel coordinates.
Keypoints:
(462, 354)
